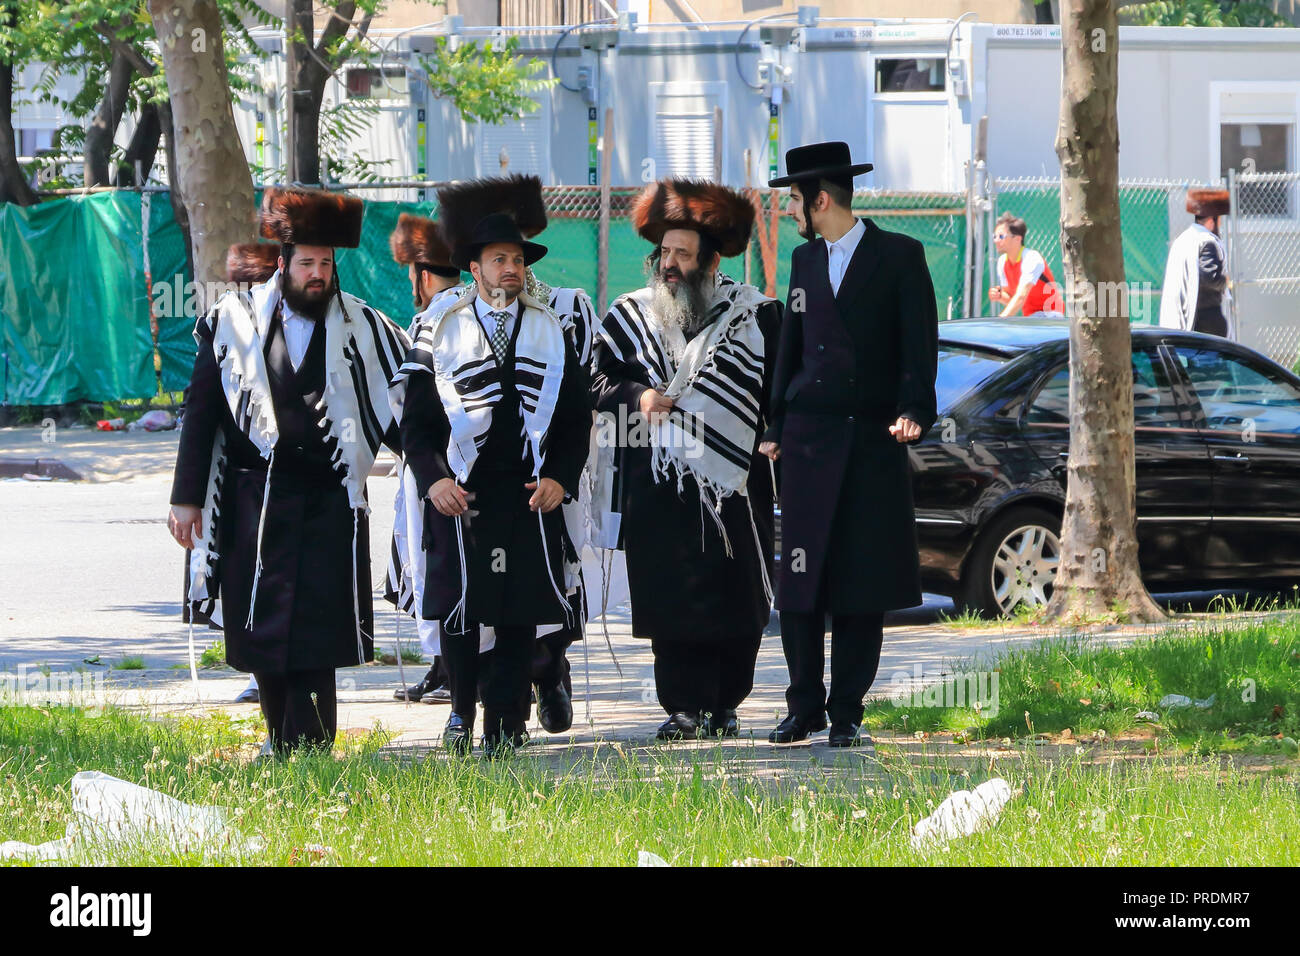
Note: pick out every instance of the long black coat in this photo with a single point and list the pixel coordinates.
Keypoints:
(506, 567)
(683, 585)
(848, 366)
(305, 616)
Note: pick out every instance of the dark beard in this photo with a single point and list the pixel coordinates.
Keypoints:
(308, 305)
(685, 304)
(806, 230)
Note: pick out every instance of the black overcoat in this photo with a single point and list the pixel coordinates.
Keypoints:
(507, 582)
(848, 366)
(683, 585)
(305, 616)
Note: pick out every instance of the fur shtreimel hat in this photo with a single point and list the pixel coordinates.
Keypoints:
(725, 215)
(1208, 202)
(253, 262)
(418, 240)
(311, 217)
(462, 206)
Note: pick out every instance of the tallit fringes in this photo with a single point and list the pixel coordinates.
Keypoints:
(546, 556)
(758, 550)
(261, 528)
(459, 609)
(356, 598)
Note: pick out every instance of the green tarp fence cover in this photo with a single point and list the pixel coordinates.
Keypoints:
(75, 303)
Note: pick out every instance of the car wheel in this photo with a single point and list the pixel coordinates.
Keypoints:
(1013, 562)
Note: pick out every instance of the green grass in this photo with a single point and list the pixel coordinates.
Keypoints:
(129, 664)
(701, 807)
(214, 655)
(1252, 670)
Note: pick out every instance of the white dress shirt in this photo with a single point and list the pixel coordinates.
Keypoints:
(840, 253)
(297, 335)
(481, 309)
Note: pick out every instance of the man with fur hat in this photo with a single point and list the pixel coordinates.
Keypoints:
(495, 419)
(1196, 293)
(285, 411)
(417, 243)
(854, 384)
(460, 207)
(681, 376)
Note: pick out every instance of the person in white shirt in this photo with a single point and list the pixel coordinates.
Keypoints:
(1195, 294)
(1025, 282)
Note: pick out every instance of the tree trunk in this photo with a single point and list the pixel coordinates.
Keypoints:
(14, 187)
(211, 169)
(175, 195)
(103, 128)
(142, 149)
(1098, 574)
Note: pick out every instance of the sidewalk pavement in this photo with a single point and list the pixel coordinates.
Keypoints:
(89, 572)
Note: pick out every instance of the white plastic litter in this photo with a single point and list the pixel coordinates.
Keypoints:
(963, 813)
(1182, 700)
(109, 811)
(1149, 715)
(646, 858)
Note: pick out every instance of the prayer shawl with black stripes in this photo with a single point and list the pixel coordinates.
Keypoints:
(451, 345)
(363, 350)
(716, 386)
(406, 563)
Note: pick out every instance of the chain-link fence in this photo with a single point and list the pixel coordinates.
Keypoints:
(1264, 262)
(1152, 213)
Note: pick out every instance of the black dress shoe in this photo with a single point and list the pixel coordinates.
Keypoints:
(845, 733)
(797, 727)
(721, 724)
(249, 696)
(554, 709)
(458, 735)
(679, 726)
(439, 695)
(416, 691)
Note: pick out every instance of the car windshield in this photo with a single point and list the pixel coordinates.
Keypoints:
(961, 368)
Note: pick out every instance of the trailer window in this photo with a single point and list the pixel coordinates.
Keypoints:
(911, 75)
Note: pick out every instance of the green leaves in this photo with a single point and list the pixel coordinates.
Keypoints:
(1203, 13)
(486, 85)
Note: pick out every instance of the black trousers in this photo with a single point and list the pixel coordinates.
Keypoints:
(1210, 319)
(550, 666)
(696, 677)
(500, 677)
(293, 719)
(855, 657)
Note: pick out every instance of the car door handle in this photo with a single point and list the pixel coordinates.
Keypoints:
(1233, 460)
(1063, 455)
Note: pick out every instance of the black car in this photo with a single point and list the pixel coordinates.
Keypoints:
(1217, 463)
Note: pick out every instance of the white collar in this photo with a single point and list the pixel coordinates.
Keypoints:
(849, 241)
(512, 308)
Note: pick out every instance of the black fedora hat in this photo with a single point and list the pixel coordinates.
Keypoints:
(819, 161)
(498, 227)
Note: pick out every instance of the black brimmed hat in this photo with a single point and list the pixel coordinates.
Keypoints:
(820, 161)
(498, 227)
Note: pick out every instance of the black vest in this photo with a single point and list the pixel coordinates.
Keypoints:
(826, 380)
(502, 454)
(303, 448)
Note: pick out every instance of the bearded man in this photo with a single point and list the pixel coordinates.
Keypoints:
(495, 418)
(285, 412)
(681, 376)
(461, 206)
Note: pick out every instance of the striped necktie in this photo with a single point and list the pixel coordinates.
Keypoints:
(500, 341)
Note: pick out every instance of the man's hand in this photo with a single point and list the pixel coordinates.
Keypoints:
(448, 497)
(769, 448)
(548, 495)
(997, 295)
(655, 405)
(905, 430)
(185, 523)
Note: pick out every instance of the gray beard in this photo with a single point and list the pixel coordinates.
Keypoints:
(685, 305)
